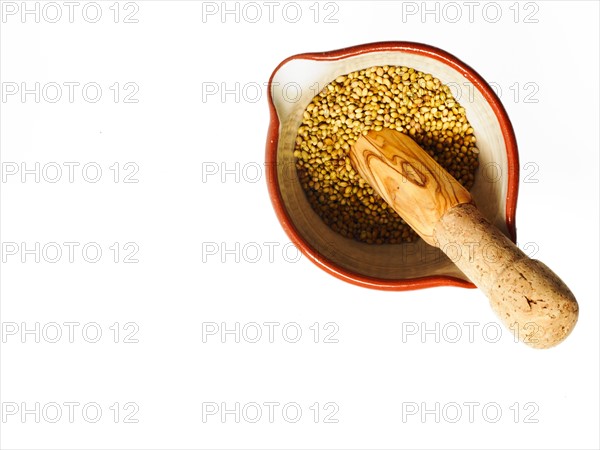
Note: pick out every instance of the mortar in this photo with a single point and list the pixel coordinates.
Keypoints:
(415, 265)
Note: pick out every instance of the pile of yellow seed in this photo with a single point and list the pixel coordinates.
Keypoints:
(401, 98)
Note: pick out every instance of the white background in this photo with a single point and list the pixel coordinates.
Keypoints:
(376, 372)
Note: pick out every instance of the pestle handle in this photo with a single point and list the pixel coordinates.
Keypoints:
(529, 298)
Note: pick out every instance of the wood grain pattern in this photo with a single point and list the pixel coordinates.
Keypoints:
(530, 299)
(408, 179)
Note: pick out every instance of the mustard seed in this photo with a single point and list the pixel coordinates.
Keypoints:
(400, 98)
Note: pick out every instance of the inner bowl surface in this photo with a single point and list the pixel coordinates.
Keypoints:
(292, 86)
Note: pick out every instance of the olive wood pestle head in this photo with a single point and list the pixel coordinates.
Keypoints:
(529, 298)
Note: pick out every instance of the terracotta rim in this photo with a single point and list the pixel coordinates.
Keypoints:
(405, 47)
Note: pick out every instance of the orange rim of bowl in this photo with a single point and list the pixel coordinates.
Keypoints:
(395, 46)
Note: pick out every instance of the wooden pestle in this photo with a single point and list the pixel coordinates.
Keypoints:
(529, 298)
